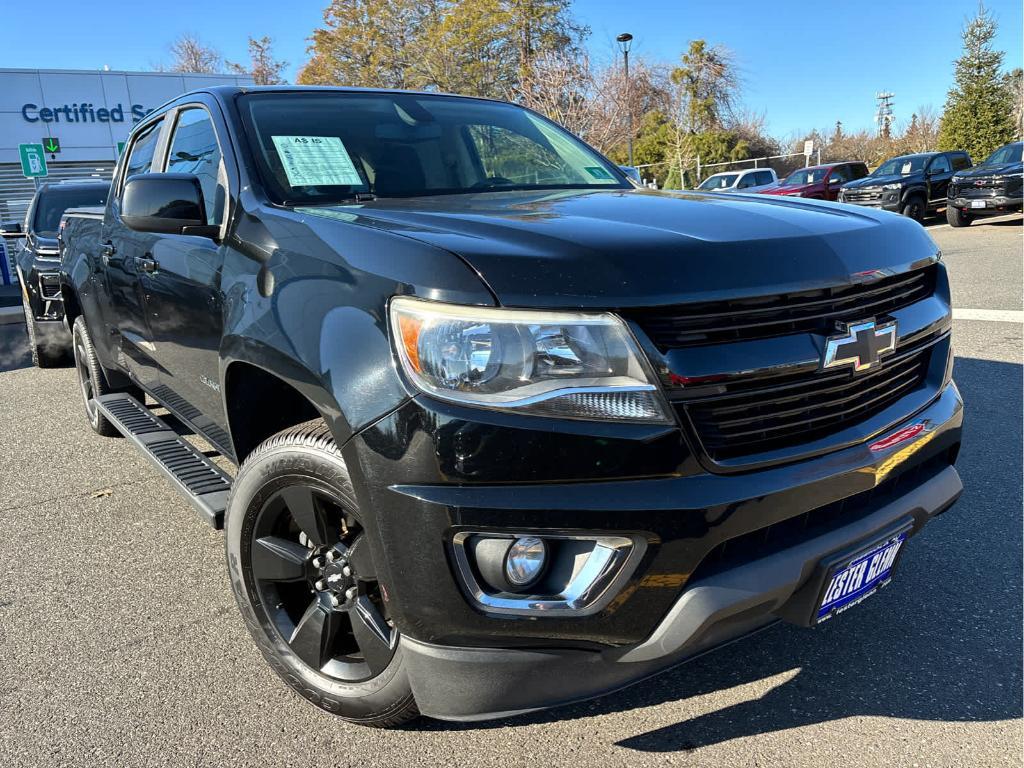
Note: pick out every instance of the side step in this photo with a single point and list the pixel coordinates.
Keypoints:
(197, 478)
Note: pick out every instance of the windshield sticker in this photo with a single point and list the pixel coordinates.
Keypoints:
(598, 172)
(316, 161)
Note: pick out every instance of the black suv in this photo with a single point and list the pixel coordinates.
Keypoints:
(511, 431)
(37, 261)
(993, 188)
(913, 185)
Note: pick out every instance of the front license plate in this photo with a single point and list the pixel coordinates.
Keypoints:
(977, 203)
(860, 577)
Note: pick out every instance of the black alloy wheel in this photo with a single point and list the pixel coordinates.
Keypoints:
(313, 571)
(914, 209)
(91, 379)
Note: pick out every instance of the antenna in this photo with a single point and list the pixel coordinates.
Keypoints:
(883, 115)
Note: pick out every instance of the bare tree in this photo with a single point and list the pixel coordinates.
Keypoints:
(596, 104)
(190, 55)
(263, 67)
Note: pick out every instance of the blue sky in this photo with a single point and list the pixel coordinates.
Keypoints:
(804, 64)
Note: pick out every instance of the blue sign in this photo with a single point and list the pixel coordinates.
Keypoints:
(81, 113)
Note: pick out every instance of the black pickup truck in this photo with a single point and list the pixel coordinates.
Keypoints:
(993, 188)
(510, 432)
(37, 261)
(914, 185)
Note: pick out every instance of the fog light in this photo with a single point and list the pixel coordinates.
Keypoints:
(525, 561)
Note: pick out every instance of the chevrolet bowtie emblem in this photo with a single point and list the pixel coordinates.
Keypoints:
(862, 346)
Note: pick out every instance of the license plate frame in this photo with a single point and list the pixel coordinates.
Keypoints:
(865, 575)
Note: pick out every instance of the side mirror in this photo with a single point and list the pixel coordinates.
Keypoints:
(166, 204)
(10, 228)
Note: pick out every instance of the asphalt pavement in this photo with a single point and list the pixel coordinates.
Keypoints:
(120, 644)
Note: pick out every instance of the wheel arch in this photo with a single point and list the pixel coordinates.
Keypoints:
(260, 402)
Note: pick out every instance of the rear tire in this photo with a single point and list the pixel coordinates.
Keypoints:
(915, 208)
(91, 379)
(957, 217)
(292, 525)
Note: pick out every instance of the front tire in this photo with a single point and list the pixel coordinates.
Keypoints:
(957, 217)
(915, 208)
(42, 357)
(305, 581)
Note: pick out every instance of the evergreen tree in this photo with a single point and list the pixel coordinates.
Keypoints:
(978, 113)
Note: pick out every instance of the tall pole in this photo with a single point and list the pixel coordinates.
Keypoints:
(624, 40)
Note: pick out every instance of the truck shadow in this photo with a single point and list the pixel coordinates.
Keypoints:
(941, 643)
(14, 352)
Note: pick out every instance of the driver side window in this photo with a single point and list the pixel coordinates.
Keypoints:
(840, 174)
(195, 150)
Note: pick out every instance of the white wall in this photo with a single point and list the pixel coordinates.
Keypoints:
(85, 139)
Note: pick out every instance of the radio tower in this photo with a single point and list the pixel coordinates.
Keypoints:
(884, 116)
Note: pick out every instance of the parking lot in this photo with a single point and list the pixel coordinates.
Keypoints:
(120, 643)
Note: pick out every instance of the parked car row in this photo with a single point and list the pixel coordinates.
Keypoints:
(914, 185)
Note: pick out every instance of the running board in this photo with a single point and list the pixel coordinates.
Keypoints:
(197, 478)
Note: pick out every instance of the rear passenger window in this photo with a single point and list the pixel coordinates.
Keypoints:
(764, 177)
(859, 171)
(960, 162)
(140, 155)
(747, 181)
(194, 149)
(939, 165)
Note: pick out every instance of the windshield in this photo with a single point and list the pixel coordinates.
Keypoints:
(53, 202)
(1011, 153)
(901, 166)
(805, 176)
(317, 148)
(722, 181)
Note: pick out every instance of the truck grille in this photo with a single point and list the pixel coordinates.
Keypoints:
(985, 187)
(802, 408)
(862, 195)
(765, 316)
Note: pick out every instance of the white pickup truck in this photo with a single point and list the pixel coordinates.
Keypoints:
(748, 180)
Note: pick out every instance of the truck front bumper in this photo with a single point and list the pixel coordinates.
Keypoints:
(467, 664)
(993, 206)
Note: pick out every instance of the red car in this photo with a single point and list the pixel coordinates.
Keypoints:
(819, 181)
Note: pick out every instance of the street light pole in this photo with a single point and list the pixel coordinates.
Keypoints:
(625, 40)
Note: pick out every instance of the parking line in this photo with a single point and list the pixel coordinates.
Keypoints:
(990, 315)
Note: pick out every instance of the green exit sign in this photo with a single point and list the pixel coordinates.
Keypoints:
(51, 144)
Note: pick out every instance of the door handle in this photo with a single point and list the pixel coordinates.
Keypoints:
(146, 264)
(107, 250)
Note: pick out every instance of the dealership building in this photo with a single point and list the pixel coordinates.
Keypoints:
(87, 114)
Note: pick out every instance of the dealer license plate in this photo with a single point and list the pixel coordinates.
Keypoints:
(977, 203)
(861, 577)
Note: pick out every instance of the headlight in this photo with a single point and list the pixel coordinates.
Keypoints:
(561, 364)
(891, 187)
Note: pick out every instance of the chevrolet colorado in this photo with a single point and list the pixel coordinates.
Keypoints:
(510, 431)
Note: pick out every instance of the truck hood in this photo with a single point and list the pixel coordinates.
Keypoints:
(619, 248)
(793, 189)
(877, 181)
(985, 171)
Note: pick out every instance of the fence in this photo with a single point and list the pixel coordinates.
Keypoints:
(694, 171)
